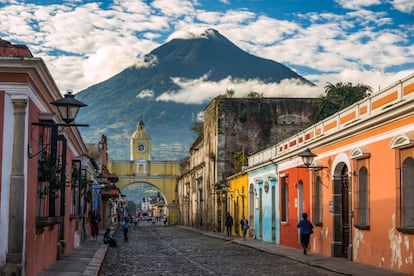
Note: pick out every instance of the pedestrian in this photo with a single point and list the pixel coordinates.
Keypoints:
(125, 227)
(135, 222)
(95, 219)
(306, 229)
(153, 221)
(165, 219)
(229, 224)
(245, 226)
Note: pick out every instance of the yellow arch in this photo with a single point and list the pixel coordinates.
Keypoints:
(161, 174)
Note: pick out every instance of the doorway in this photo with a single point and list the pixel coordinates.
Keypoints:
(341, 212)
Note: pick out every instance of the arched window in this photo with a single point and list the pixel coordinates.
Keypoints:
(363, 198)
(361, 157)
(407, 195)
(317, 201)
(404, 146)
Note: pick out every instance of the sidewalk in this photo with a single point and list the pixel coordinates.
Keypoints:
(87, 259)
(339, 265)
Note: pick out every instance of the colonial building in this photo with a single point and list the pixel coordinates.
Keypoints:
(45, 169)
(356, 183)
(141, 168)
(233, 128)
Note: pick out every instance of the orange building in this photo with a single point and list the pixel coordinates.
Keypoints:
(360, 183)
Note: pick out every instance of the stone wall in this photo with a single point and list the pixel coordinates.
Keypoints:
(248, 125)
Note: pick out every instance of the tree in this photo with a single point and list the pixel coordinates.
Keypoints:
(230, 93)
(198, 128)
(254, 94)
(338, 96)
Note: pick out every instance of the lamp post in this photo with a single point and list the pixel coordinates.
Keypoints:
(68, 108)
(307, 157)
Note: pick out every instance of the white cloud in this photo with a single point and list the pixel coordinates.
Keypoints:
(405, 6)
(147, 61)
(145, 94)
(376, 79)
(84, 44)
(197, 91)
(174, 8)
(357, 4)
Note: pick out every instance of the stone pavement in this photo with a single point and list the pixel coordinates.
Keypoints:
(87, 259)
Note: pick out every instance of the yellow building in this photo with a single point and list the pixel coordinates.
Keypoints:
(141, 170)
(237, 200)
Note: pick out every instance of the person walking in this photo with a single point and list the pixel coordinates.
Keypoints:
(245, 226)
(229, 224)
(95, 219)
(306, 229)
(125, 227)
(135, 222)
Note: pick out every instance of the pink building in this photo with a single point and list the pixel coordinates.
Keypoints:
(45, 171)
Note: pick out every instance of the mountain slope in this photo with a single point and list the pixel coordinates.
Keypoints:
(116, 105)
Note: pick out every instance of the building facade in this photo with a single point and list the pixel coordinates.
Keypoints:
(233, 128)
(358, 190)
(45, 169)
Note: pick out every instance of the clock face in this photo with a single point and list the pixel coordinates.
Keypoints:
(141, 148)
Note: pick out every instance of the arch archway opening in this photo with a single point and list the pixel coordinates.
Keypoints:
(145, 200)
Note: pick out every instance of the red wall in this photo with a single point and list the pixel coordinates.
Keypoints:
(289, 231)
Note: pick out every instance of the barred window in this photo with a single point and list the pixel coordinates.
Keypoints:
(285, 198)
(403, 145)
(407, 193)
(317, 202)
(363, 198)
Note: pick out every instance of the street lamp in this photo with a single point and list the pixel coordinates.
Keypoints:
(307, 158)
(68, 108)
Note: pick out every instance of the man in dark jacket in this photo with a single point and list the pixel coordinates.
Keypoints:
(229, 224)
(306, 229)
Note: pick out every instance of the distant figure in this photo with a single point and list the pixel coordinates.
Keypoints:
(306, 229)
(95, 219)
(165, 219)
(125, 227)
(229, 224)
(135, 222)
(245, 226)
(153, 221)
(107, 239)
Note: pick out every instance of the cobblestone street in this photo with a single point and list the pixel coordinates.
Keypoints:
(157, 250)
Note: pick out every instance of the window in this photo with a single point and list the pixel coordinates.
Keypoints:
(317, 201)
(51, 177)
(361, 157)
(285, 199)
(407, 194)
(403, 144)
(362, 198)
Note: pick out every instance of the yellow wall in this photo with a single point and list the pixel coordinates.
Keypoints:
(236, 199)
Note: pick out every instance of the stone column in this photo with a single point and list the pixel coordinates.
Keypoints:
(14, 265)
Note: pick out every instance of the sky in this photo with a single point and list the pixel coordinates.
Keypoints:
(84, 42)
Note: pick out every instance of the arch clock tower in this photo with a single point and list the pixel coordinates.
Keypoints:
(140, 148)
